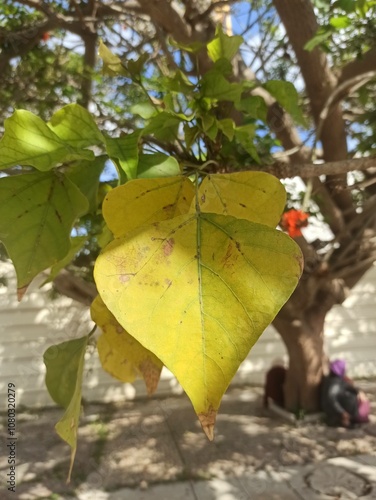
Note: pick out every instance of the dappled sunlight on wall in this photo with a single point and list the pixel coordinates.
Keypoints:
(27, 329)
(351, 328)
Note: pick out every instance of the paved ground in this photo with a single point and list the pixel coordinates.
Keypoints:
(155, 450)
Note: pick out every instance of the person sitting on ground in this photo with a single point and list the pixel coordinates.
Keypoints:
(343, 403)
(274, 383)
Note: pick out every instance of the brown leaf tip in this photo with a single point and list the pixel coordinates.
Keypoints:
(207, 421)
(21, 292)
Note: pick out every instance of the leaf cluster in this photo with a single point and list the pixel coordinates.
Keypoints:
(168, 230)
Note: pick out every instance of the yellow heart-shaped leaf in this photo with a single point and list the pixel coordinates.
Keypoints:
(198, 290)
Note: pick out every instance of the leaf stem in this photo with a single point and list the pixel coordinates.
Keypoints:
(197, 204)
(91, 333)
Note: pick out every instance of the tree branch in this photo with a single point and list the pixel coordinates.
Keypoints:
(282, 125)
(162, 13)
(284, 170)
(359, 66)
(300, 23)
(339, 93)
(74, 287)
(90, 41)
(16, 44)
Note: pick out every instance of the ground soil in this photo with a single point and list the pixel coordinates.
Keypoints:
(159, 440)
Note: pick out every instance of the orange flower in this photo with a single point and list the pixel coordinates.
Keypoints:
(292, 221)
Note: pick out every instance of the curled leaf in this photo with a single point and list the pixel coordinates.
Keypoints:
(121, 355)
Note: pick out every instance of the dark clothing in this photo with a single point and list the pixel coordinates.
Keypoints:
(337, 397)
(274, 381)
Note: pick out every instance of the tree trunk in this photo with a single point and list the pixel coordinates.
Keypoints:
(304, 340)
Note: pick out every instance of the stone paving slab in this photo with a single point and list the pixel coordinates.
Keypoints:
(268, 485)
(347, 479)
(172, 491)
(344, 478)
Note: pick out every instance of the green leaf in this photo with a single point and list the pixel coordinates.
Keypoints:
(245, 136)
(37, 212)
(207, 121)
(215, 86)
(157, 165)
(190, 134)
(75, 126)
(62, 365)
(85, 175)
(178, 83)
(112, 64)
(209, 125)
(362, 7)
(340, 22)
(126, 150)
(145, 109)
(321, 36)
(227, 126)
(65, 364)
(28, 140)
(287, 96)
(212, 131)
(346, 5)
(224, 67)
(163, 126)
(104, 237)
(192, 48)
(253, 106)
(135, 67)
(223, 46)
(76, 245)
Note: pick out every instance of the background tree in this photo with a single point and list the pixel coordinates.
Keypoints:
(48, 58)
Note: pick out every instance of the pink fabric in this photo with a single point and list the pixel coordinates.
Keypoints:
(363, 411)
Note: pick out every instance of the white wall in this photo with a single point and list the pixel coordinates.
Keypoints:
(29, 327)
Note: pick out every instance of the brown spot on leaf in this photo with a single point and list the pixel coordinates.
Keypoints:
(124, 278)
(168, 247)
(228, 255)
(151, 374)
(203, 198)
(242, 205)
